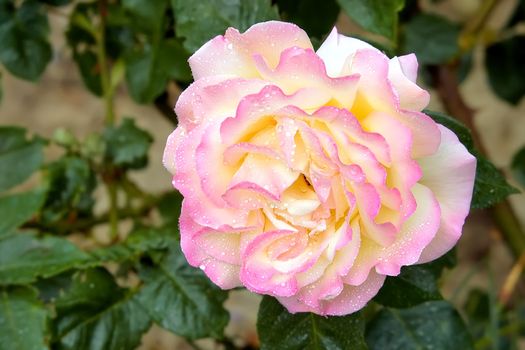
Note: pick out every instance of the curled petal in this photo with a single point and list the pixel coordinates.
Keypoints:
(232, 53)
(336, 49)
(402, 73)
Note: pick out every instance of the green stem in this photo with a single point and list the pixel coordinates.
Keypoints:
(113, 211)
(108, 93)
(107, 89)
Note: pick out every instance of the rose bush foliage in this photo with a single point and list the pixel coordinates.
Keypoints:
(311, 176)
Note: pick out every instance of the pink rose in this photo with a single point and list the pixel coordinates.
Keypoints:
(311, 176)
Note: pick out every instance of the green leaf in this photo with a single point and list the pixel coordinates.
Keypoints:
(432, 38)
(518, 166)
(81, 34)
(22, 320)
(169, 207)
(431, 325)
(490, 186)
(504, 63)
(316, 17)
(18, 208)
(24, 257)
(149, 13)
(56, 2)
(95, 313)
(71, 182)
(376, 16)
(279, 329)
(24, 47)
(199, 21)
(149, 69)
(195, 310)
(126, 145)
(415, 284)
(139, 242)
(19, 157)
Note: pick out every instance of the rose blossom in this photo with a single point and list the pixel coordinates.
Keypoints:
(311, 176)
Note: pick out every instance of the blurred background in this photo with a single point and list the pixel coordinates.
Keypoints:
(59, 99)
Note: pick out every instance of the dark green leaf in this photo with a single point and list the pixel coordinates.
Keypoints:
(169, 207)
(149, 69)
(49, 289)
(95, 313)
(505, 68)
(199, 21)
(490, 186)
(24, 47)
(376, 16)
(432, 325)
(518, 166)
(22, 320)
(195, 304)
(56, 2)
(126, 145)
(148, 12)
(24, 257)
(432, 38)
(316, 17)
(141, 241)
(18, 208)
(279, 329)
(14, 147)
(71, 182)
(414, 285)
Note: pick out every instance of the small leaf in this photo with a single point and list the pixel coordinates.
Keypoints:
(376, 16)
(279, 329)
(504, 63)
(71, 182)
(24, 47)
(490, 186)
(431, 325)
(18, 208)
(95, 313)
(126, 145)
(199, 21)
(518, 166)
(22, 319)
(432, 38)
(24, 257)
(19, 157)
(195, 310)
(316, 17)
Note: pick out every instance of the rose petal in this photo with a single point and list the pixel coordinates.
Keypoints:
(450, 174)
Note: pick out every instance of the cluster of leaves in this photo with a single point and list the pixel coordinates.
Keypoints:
(62, 289)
